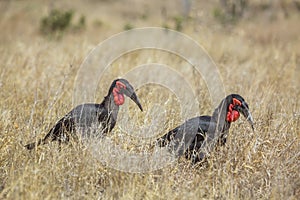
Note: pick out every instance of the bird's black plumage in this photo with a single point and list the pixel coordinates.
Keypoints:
(197, 136)
(100, 118)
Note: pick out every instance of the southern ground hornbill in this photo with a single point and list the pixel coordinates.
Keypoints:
(96, 119)
(197, 137)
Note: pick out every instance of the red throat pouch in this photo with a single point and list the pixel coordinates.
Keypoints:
(233, 115)
(118, 98)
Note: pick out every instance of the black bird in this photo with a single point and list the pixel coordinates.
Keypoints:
(197, 137)
(87, 117)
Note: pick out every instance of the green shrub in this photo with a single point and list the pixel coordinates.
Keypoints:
(178, 23)
(56, 21)
(229, 12)
(128, 26)
(166, 26)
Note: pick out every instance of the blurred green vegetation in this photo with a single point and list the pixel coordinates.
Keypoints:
(58, 22)
(128, 26)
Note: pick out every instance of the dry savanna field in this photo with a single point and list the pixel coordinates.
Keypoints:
(257, 54)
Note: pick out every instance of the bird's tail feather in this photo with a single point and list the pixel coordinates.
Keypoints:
(32, 145)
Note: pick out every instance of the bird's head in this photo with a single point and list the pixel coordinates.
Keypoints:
(237, 105)
(121, 87)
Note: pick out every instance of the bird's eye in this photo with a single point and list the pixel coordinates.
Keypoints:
(236, 107)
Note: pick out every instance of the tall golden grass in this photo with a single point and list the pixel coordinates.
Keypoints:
(258, 58)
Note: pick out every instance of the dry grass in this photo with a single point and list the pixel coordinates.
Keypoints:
(257, 58)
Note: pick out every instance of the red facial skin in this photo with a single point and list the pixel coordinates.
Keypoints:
(233, 115)
(118, 97)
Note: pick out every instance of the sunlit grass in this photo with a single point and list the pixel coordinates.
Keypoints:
(36, 87)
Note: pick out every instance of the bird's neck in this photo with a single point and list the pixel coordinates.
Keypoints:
(219, 117)
(110, 105)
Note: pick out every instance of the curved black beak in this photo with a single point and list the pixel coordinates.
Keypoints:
(134, 98)
(247, 114)
(132, 95)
